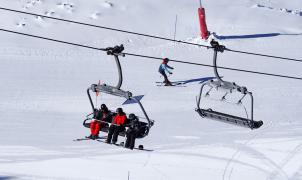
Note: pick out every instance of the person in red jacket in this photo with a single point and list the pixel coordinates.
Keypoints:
(117, 126)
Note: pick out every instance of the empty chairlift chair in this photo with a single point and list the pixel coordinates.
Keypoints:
(229, 87)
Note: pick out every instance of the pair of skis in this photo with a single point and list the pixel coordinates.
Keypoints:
(140, 147)
(88, 138)
(102, 140)
(183, 83)
(178, 84)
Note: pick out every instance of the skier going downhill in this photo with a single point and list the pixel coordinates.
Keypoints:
(163, 68)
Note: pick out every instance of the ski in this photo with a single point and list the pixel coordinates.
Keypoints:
(81, 139)
(173, 84)
(198, 80)
(88, 138)
(140, 148)
(170, 86)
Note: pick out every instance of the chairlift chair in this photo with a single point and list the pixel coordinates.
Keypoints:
(116, 91)
(229, 87)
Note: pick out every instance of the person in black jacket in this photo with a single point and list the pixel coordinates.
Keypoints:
(106, 114)
(132, 131)
(101, 116)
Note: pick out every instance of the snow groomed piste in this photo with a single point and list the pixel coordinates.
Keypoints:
(230, 87)
(48, 104)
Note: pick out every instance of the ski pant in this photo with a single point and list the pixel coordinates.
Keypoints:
(113, 133)
(95, 127)
(166, 80)
(131, 134)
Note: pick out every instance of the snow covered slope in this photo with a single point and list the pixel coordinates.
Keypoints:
(44, 101)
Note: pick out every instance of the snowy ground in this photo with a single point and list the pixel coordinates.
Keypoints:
(44, 101)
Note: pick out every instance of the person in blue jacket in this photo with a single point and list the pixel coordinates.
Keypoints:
(163, 68)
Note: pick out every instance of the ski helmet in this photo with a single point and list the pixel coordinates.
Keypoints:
(132, 116)
(119, 110)
(104, 107)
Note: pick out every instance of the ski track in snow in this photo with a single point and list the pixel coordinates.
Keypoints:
(68, 7)
(281, 10)
(237, 155)
(278, 168)
(64, 6)
(31, 3)
(291, 155)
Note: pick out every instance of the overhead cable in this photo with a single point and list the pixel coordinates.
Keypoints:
(103, 27)
(150, 36)
(152, 57)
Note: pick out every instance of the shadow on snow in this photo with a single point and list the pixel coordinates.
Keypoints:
(251, 36)
(6, 177)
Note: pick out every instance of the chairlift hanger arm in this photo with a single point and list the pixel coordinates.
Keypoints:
(221, 83)
(90, 99)
(217, 48)
(116, 51)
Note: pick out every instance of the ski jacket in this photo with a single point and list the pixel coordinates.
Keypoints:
(134, 124)
(106, 116)
(119, 119)
(103, 116)
(165, 68)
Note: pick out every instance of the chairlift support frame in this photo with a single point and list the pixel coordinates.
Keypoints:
(115, 90)
(230, 87)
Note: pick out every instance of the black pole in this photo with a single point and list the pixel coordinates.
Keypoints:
(91, 102)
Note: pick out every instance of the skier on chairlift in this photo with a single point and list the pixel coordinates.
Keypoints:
(103, 114)
(117, 126)
(163, 68)
(132, 131)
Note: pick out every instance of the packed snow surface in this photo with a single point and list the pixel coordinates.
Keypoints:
(44, 101)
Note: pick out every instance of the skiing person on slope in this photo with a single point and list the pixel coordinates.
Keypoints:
(163, 68)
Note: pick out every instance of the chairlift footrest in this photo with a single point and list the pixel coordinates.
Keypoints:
(226, 118)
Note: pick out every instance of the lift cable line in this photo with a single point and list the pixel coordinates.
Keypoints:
(263, 55)
(219, 67)
(54, 40)
(104, 27)
(153, 57)
(148, 35)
